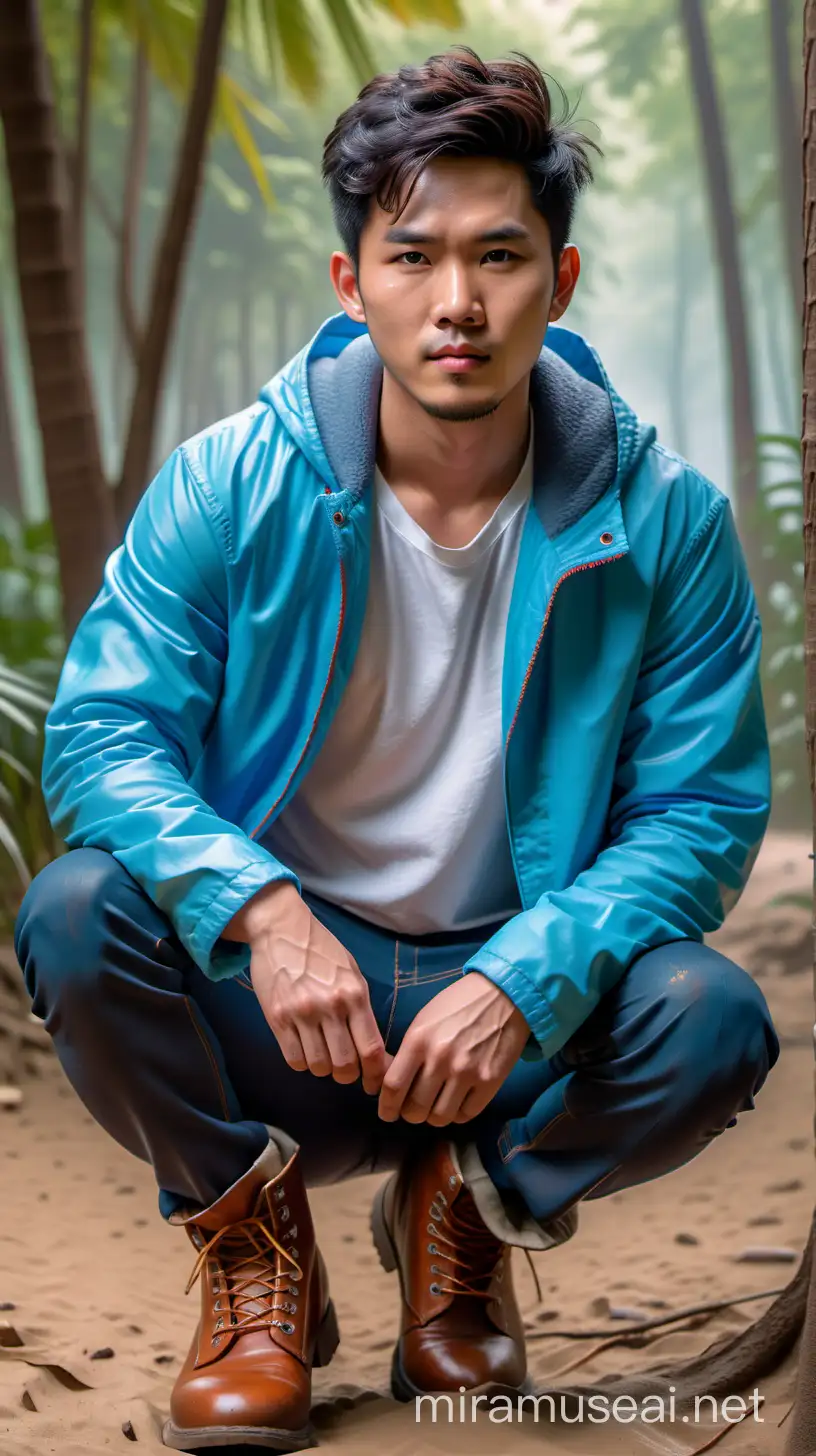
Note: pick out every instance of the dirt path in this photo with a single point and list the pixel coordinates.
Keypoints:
(87, 1263)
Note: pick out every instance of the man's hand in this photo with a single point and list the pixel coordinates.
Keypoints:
(310, 989)
(455, 1054)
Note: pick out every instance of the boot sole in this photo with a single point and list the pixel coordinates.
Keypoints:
(273, 1438)
(402, 1388)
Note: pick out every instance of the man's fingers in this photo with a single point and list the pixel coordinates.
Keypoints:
(397, 1081)
(449, 1104)
(476, 1101)
(345, 1066)
(422, 1095)
(315, 1049)
(369, 1045)
(291, 1045)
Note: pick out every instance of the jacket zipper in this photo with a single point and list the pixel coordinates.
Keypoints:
(586, 566)
(305, 749)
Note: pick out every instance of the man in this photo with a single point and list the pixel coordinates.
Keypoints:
(410, 748)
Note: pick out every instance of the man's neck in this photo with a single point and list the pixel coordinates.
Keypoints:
(451, 475)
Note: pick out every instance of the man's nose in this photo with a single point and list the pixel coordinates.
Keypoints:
(458, 297)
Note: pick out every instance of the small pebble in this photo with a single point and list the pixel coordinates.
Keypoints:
(347, 1238)
(625, 1312)
(9, 1338)
(765, 1254)
(791, 1186)
(126, 1188)
(798, 1144)
(128, 1431)
(763, 1219)
(106, 1353)
(136, 1329)
(7, 1304)
(686, 1239)
(163, 1359)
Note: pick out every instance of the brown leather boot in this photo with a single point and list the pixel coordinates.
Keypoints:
(461, 1324)
(266, 1315)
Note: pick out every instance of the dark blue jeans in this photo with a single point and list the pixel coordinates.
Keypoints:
(185, 1072)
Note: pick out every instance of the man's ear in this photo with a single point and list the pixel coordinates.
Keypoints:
(344, 282)
(569, 269)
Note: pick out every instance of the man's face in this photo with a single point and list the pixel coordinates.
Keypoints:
(468, 264)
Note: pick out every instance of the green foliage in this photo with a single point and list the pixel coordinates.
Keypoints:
(31, 650)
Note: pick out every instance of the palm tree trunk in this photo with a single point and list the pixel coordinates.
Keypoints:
(11, 498)
(44, 236)
(720, 198)
(683, 284)
(802, 1439)
(788, 150)
(170, 254)
(83, 141)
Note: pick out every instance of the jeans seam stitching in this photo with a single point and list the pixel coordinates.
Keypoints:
(395, 995)
(208, 1049)
(437, 976)
(527, 1147)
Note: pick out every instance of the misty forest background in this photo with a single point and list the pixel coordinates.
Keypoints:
(164, 240)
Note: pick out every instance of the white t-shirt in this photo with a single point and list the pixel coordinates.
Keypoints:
(401, 817)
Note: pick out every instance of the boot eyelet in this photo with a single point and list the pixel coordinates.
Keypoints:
(338, 518)
(219, 1324)
(295, 1255)
(285, 1325)
(292, 1289)
(284, 1213)
(280, 1194)
(434, 1288)
(452, 1180)
(216, 1339)
(435, 1211)
(432, 1229)
(435, 1269)
(432, 1249)
(217, 1304)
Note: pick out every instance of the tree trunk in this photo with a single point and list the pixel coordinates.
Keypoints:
(720, 198)
(179, 217)
(11, 498)
(788, 150)
(683, 283)
(802, 1439)
(83, 140)
(81, 507)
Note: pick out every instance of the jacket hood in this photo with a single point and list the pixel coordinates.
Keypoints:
(587, 439)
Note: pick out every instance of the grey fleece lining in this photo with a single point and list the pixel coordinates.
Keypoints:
(505, 1214)
(576, 447)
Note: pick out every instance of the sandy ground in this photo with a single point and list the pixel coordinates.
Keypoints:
(87, 1264)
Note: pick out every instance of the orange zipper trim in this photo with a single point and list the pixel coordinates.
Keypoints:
(338, 635)
(585, 567)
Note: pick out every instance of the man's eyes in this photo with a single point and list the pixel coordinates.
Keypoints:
(492, 256)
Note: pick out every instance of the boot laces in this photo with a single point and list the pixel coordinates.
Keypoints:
(469, 1250)
(455, 1227)
(250, 1267)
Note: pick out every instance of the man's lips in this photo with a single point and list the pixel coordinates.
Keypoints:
(459, 361)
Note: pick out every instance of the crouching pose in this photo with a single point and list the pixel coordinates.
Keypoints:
(406, 755)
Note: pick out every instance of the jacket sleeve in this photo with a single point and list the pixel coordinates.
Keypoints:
(138, 690)
(690, 802)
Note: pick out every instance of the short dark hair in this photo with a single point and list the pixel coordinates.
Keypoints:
(454, 104)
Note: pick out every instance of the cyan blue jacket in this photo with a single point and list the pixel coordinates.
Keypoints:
(201, 682)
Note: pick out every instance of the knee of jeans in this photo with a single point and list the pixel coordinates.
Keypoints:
(59, 929)
(726, 1017)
